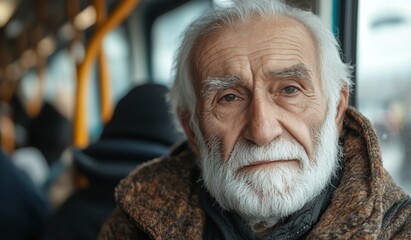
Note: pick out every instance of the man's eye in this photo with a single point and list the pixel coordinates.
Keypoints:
(290, 90)
(229, 98)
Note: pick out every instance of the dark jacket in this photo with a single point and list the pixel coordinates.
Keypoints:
(159, 200)
(24, 209)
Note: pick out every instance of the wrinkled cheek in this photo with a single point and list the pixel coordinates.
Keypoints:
(224, 136)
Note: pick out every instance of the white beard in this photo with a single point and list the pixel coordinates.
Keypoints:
(266, 195)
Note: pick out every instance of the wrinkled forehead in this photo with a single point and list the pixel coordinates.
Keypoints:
(276, 32)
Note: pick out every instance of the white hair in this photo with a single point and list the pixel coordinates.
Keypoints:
(335, 75)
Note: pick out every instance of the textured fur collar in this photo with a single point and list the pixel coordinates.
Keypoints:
(366, 191)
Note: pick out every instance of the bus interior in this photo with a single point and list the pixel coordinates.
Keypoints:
(81, 57)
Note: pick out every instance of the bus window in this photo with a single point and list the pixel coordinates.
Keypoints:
(384, 80)
(166, 33)
(61, 76)
(117, 50)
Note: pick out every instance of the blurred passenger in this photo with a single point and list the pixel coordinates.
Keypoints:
(50, 132)
(48, 135)
(24, 209)
(141, 129)
(21, 121)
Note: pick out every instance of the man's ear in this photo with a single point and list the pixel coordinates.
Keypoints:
(341, 108)
(192, 140)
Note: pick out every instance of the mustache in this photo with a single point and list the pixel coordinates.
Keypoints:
(246, 153)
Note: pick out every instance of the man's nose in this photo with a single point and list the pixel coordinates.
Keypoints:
(263, 125)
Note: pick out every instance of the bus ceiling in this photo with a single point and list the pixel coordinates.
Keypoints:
(47, 24)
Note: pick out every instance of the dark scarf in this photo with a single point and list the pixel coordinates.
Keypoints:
(221, 224)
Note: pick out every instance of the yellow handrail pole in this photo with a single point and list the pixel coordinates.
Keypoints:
(73, 9)
(105, 88)
(10, 72)
(80, 126)
(7, 134)
(7, 88)
(6, 123)
(106, 101)
(34, 106)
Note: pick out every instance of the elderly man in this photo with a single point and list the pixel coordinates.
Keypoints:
(274, 152)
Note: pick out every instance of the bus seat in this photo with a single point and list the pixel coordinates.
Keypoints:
(141, 129)
(143, 114)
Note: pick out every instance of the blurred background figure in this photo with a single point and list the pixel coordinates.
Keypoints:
(24, 208)
(141, 129)
(48, 136)
(21, 121)
(50, 132)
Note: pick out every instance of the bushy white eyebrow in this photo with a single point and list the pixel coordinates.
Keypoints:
(300, 71)
(212, 84)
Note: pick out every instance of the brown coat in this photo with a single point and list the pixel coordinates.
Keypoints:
(159, 197)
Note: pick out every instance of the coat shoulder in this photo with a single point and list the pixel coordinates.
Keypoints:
(159, 198)
(118, 226)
